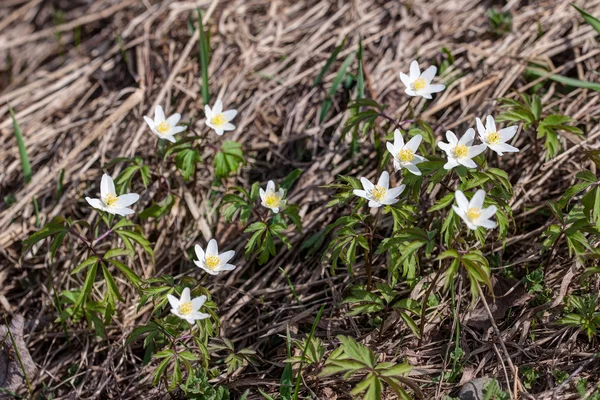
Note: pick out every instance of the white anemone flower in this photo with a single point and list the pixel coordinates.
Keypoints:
(186, 307)
(419, 84)
(461, 152)
(164, 128)
(272, 199)
(211, 261)
(472, 212)
(110, 202)
(496, 139)
(404, 154)
(380, 194)
(218, 119)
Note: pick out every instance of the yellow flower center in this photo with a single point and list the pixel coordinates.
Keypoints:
(493, 138)
(272, 200)
(406, 155)
(163, 127)
(473, 213)
(212, 262)
(419, 84)
(185, 308)
(110, 200)
(378, 193)
(218, 120)
(460, 151)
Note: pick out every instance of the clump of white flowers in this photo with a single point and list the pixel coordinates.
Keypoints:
(272, 199)
(380, 194)
(211, 261)
(218, 119)
(472, 212)
(110, 202)
(461, 152)
(419, 84)
(496, 139)
(405, 153)
(187, 308)
(164, 128)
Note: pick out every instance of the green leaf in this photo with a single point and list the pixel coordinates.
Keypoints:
(289, 180)
(87, 286)
(113, 290)
(329, 62)
(564, 80)
(25, 164)
(128, 272)
(85, 264)
(334, 87)
(203, 50)
(228, 159)
(590, 19)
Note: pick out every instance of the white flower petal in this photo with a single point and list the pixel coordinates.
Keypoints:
(228, 126)
(185, 295)
(476, 150)
(429, 74)
(451, 138)
(226, 256)
(374, 204)
(229, 114)
(468, 137)
(199, 252)
(123, 212)
(461, 200)
(487, 224)
(159, 115)
(198, 302)
(384, 180)
(415, 72)
(405, 79)
(507, 133)
(360, 193)
(414, 143)
(413, 169)
(477, 200)
(490, 124)
(126, 200)
(226, 267)
(212, 249)
(107, 186)
(367, 185)
(218, 107)
(96, 203)
(467, 162)
(270, 187)
(173, 301)
(398, 139)
(434, 88)
(480, 128)
(487, 213)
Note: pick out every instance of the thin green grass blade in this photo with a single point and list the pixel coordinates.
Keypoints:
(203, 48)
(326, 106)
(565, 80)
(360, 79)
(329, 61)
(14, 346)
(310, 336)
(25, 164)
(589, 18)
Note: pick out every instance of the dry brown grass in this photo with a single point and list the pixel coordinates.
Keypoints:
(81, 106)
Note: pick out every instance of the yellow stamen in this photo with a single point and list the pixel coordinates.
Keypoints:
(163, 127)
(218, 120)
(185, 308)
(212, 262)
(110, 200)
(419, 84)
(493, 138)
(378, 193)
(473, 213)
(460, 151)
(406, 155)
(272, 200)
